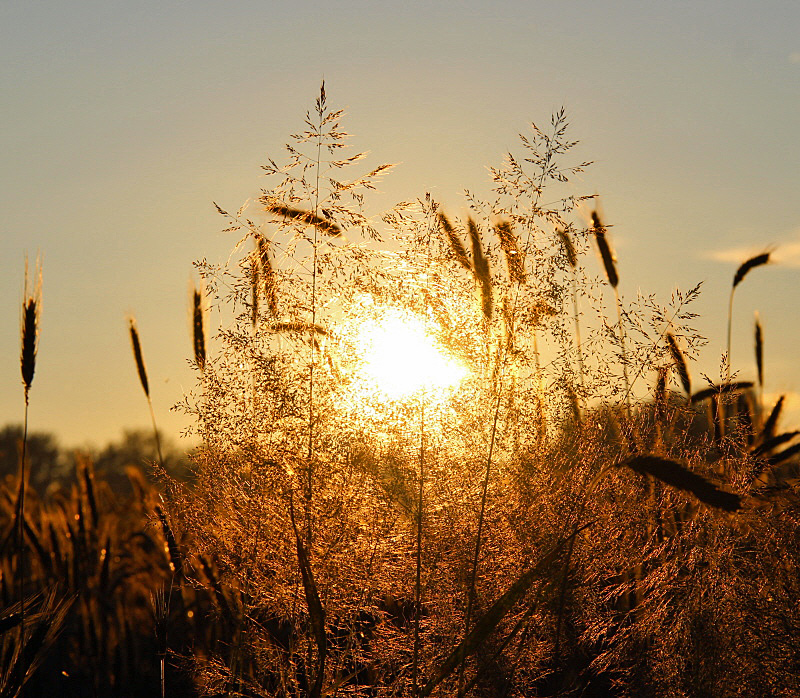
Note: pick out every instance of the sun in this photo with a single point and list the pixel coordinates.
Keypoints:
(399, 355)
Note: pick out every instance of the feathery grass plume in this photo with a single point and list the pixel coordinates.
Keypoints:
(267, 275)
(759, 345)
(768, 431)
(481, 269)
(738, 277)
(455, 242)
(309, 217)
(508, 243)
(198, 328)
(609, 261)
(680, 477)
(680, 364)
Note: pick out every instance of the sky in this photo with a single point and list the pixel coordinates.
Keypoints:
(121, 123)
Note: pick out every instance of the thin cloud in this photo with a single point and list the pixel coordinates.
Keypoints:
(794, 57)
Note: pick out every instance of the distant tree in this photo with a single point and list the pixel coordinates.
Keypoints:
(136, 448)
(48, 462)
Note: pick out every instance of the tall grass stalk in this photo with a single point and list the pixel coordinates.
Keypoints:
(572, 260)
(744, 269)
(610, 266)
(29, 335)
(141, 369)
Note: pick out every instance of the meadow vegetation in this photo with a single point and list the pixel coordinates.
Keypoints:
(567, 513)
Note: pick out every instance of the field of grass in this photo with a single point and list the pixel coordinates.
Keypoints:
(438, 458)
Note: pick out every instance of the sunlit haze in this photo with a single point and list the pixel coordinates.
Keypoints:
(124, 121)
(401, 357)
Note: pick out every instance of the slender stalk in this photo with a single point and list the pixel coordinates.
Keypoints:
(495, 418)
(624, 350)
(578, 343)
(31, 306)
(310, 480)
(730, 323)
(418, 579)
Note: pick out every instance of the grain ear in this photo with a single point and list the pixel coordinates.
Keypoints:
(609, 261)
(680, 364)
(455, 242)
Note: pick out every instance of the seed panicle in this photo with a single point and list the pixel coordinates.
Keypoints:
(137, 355)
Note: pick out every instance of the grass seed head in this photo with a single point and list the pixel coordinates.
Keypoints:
(455, 242)
(198, 328)
(759, 341)
(609, 261)
(308, 217)
(508, 242)
(137, 356)
(680, 363)
(569, 248)
(751, 263)
(31, 308)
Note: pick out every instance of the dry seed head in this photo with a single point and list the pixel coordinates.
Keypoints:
(255, 289)
(609, 261)
(569, 248)
(508, 242)
(137, 355)
(772, 421)
(759, 338)
(308, 217)
(682, 478)
(751, 263)
(455, 242)
(267, 275)
(29, 332)
(680, 364)
(481, 269)
(198, 328)
(298, 327)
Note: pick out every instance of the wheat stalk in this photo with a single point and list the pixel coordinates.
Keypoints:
(743, 270)
(680, 364)
(610, 266)
(142, 371)
(31, 308)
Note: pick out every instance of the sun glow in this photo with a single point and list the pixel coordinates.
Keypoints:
(401, 356)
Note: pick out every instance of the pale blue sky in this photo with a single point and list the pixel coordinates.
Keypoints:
(123, 121)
